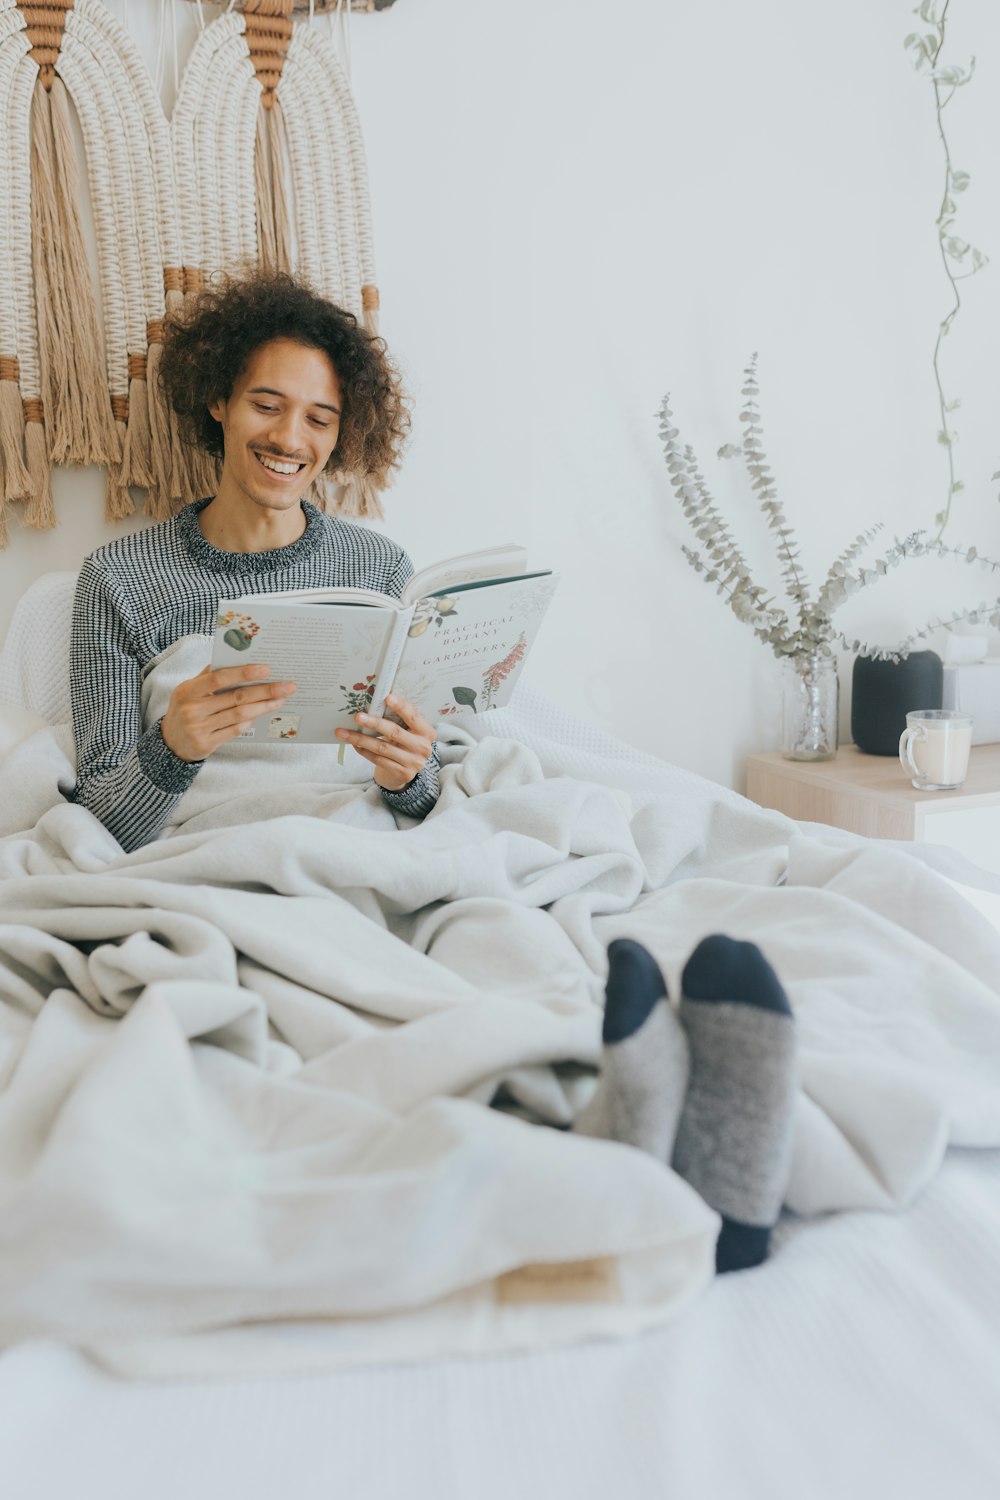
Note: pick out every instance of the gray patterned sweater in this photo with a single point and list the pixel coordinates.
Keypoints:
(138, 595)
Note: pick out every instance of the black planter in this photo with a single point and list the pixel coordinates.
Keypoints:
(884, 692)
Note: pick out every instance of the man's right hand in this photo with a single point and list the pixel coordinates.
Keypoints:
(197, 721)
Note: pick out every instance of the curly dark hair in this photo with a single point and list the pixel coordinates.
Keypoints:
(209, 341)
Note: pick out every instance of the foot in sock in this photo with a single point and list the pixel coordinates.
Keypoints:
(644, 1062)
(734, 1137)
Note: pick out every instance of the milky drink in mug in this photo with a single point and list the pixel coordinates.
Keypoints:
(934, 748)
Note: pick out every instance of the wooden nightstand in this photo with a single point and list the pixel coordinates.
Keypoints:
(870, 794)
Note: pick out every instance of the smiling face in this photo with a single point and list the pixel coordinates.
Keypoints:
(280, 424)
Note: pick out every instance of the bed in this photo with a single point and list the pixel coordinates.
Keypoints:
(862, 1358)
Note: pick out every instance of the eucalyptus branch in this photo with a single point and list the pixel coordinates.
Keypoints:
(850, 554)
(763, 620)
(763, 482)
(705, 519)
(808, 630)
(980, 614)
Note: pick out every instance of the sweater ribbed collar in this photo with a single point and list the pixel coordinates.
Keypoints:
(273, 561)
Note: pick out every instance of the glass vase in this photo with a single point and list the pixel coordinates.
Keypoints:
(810, 702)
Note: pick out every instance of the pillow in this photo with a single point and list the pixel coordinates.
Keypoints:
(34, 662)
(16, 724)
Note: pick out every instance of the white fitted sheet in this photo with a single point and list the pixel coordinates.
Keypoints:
(862, 1360)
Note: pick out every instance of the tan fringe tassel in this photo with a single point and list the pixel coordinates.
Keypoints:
(193, 470)
(282, 218)
(322, 493)
(196, 472)
(17, 483)
(159, 502)
(201, 474)
(208, 472)
(190, 478)
(173, 281)
(40, 513)
(369, 308)
(273, 221)
(74, 387)
(118, 503)
(166, 486)
(359, 497)
(136, 458)
(267, 250)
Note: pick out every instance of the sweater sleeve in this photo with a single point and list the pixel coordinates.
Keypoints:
(419, 795)
(131, 781)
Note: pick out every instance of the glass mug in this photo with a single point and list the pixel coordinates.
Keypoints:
(934, 748)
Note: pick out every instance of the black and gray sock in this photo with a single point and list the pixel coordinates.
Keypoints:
(734, 1136)
(644, 1064)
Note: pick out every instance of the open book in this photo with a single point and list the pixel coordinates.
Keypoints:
(453, 644)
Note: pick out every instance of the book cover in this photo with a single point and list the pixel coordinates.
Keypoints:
(464, 649)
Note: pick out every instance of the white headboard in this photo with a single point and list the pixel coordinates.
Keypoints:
(34, 661)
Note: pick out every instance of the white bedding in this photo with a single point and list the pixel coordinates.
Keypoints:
(862, 1359)
(260, 1137)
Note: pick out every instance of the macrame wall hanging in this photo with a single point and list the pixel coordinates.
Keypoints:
(264, 114)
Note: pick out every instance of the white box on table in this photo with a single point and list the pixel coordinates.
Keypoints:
(974, 688)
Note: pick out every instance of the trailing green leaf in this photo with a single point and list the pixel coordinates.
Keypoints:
(959, 259)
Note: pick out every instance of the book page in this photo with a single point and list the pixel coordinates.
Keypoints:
(321, 596)
(333, 652)
(492, 562)
(464, 653)
(394, 648)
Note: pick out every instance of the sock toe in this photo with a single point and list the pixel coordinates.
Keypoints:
(740, 1247)
(634, 986)
(721, 968)
(644, 1061)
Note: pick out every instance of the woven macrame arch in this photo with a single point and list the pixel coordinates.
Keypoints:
(19, 375)
(129, 155)
(88, 396)
(264, 114)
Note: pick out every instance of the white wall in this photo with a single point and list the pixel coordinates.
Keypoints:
(579, 206)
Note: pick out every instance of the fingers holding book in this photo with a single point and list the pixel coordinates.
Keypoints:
(398, 748)
(216, 706)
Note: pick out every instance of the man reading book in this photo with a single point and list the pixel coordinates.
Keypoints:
(283, 386)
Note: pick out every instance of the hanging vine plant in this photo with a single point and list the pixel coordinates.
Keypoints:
(959, 258)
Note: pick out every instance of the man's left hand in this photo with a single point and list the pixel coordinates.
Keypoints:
(400, 751)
